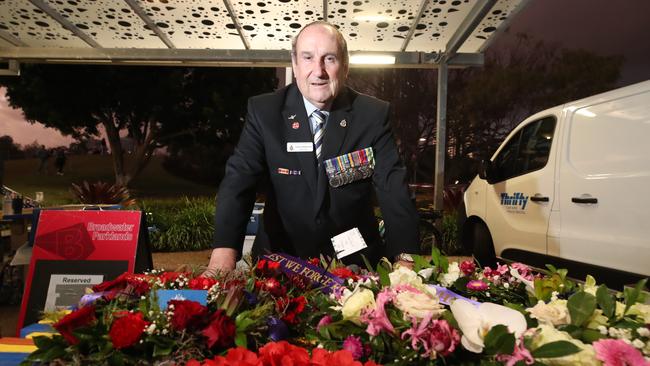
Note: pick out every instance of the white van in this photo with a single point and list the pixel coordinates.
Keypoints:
(571, 186)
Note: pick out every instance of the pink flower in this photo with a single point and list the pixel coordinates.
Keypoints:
(523, 270)
(615, 352)
(354, 345)
(477, 285)
(519, 354)
(376, 318)
(467, 267)
(436, 337)
(326, 320)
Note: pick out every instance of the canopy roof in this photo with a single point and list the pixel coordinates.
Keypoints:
(249, 32)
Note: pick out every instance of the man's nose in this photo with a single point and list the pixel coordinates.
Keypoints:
(319, 68)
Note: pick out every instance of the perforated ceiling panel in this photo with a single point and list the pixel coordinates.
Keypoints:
(112, 24)
(373, 25)
(194, 24)
(188, 30)
(499, 13)
(32, 26)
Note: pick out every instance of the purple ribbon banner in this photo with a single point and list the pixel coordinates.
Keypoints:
(447, 296)
(297, 267)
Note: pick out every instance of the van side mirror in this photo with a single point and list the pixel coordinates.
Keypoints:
(486, 170)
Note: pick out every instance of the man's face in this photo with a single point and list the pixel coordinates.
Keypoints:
(318, 65)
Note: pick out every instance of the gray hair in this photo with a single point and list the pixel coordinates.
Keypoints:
(343, 45)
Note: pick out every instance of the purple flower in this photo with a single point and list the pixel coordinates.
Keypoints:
(277, 329)
(354, 345)
(477, 285)
(251, 298)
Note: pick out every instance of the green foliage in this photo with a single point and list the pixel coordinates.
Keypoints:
(581, 306)
(102, 193)
(450, 230)
(499, 341)
(555, 349)
(185, 224)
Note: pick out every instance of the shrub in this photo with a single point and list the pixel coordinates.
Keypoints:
(102, 193)
(181, 225)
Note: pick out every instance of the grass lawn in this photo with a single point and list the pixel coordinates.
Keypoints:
(154, 182)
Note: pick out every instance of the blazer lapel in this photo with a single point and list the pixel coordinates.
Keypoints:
(335, 132)
(298, 130)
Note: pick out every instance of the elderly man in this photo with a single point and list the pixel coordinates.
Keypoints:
(320, 147)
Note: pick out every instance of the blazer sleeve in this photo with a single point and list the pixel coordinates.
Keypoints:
(244, 169)
(389, 179)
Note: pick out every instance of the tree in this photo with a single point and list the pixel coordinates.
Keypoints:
(151, 105)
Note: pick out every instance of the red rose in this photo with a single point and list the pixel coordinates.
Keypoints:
(188, 314)
(220, 331)
(467, 267)
(291, 308)
(314, 261)
(76, 319)
(202, 283)
(267, 268)
(139, 283)
(344, 273)
(127, 329)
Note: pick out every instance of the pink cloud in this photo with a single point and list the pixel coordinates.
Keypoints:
(13, 123)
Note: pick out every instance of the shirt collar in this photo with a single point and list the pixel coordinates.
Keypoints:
(310, 108)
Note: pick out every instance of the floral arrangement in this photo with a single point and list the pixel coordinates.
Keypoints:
(284, 311)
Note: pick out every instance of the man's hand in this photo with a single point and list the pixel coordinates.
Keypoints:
(221, 260)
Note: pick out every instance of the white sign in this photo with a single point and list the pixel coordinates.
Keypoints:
(348, 243)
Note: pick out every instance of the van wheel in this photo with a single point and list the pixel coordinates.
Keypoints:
(483, 246)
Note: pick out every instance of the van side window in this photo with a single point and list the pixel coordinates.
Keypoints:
(527, 150)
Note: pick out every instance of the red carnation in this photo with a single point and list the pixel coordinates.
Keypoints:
(127, 329)
(202, 283)
(283, 353)
(291, 308)
(167, 277)
(344, 273)
(76, 319)
(314, 261)
(220, 331)
(188, 314)
(272, 286)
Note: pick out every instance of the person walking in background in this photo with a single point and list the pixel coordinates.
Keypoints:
(59, 161)
(43, 157)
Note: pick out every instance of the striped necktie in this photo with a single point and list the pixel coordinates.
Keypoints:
(318, 118)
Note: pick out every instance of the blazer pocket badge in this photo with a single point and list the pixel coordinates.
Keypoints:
(351, 167)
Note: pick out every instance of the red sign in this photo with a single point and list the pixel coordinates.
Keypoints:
(73, 249)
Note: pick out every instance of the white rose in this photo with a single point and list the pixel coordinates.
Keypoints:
(418, 304)
(453, 272)
(360, 299)
(404, 276)
(555, 313)
(548, 334)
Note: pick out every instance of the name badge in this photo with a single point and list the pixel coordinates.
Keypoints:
(348, 242)
(300, 146)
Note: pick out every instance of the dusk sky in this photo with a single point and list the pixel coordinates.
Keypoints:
(603, 26)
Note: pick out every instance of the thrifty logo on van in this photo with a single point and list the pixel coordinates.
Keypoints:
(517, 199)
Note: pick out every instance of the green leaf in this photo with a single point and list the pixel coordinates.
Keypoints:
(439, 260)
(366, 262)
(161, 350)
(555, 349)
(581, 307)
(606, 301)
(241, 340)
(591, 335)
(382, 271)
(499, 341)
(419, 263)
(632, 295)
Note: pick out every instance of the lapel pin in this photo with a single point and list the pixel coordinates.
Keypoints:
(292, 116)
(295, 125)
(344, 123)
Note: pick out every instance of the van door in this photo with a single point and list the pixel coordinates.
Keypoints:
(519, 201)
(604, 179)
